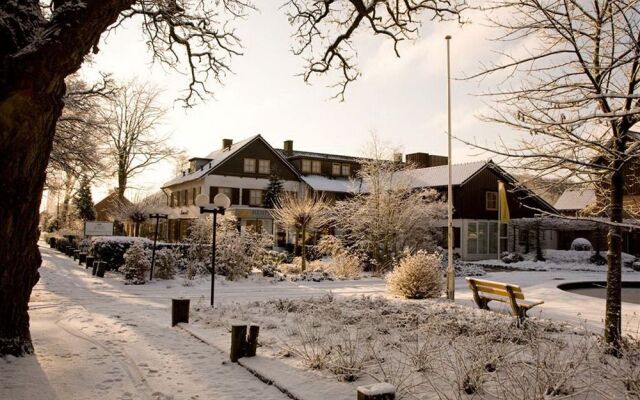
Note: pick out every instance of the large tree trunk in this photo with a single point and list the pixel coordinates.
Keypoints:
(27, 125)
(613, 313)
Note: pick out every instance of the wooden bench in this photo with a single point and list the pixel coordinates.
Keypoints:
(485, 291)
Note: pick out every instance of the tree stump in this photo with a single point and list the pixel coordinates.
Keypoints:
(94, 268)
(377, 391)
(89, 263)
(252, 340)
(102, 266)
(238, 342)
(179, 311)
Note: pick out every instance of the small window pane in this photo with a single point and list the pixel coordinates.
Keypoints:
(493, 238)
(491, 200)
(472, 238)
(335, 169)
(255, 197)
(264, 166)
(250, 165)
(306, 165)
(483, 236)
(316, 167)
(346, 169)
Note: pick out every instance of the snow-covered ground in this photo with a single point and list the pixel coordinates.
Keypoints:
(100, 338)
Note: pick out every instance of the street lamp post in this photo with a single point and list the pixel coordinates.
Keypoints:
(220, 203)
(157, 217)
(451, 273)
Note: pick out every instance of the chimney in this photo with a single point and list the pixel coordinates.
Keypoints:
(425, 160)
(226, 144)
(288, 147)
(397, 157)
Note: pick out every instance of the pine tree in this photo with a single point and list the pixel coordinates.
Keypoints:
(84, 202)
(273, 190)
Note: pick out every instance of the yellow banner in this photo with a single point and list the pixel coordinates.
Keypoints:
(503, 204)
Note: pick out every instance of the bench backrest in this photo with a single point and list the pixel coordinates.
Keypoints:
(495, 288)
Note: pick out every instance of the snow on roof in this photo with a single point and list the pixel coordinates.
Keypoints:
(216, 157)
(438, 176)
(336, 157)
(575, 199)
(325, 184)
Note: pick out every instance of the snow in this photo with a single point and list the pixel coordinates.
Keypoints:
(377, 389)
(575, 199)
(324, 184)
(438, 176)
(563, 260)
(98, 338)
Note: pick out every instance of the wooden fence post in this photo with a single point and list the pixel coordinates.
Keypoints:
(238, 342)
(377, 391)
(252, 340)
(102, 266)
(89, 263)
(179, 311)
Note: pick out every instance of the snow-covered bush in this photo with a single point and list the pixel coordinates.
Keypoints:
(136, 264)
(581, 244)
(111, 249)
(509, 258)
(342, 263)
(167, 263)
(417, 276)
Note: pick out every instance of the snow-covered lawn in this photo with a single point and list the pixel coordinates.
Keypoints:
(100, 338)
(566, 260)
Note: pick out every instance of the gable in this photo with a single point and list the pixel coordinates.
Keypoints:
(258, 150)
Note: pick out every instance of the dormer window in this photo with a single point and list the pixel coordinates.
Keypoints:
(250, 165)
(346, 169)
(316, 167)
(306, 166)
(264, 166)
(335, 169)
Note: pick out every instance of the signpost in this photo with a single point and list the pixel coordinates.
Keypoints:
(98, 228)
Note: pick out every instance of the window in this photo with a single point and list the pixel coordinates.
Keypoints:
(264, 166)
(316, 167)
(172, 199)
(193, 196)
(491, 201)
(346, 169)
(255, 197)
(250, 165)
(226, 191)
(335, 169)
(185, 198)
(306, 165)
(472, 238)
(254, 225)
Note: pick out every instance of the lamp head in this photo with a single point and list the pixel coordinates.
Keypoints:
(221, 201)
(202, 200)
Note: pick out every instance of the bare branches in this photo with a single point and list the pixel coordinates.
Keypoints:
(325, 29)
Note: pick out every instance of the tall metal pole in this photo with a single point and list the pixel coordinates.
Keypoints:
(451, 273)
(213, 258)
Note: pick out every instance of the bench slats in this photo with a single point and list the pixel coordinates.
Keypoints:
(521, 303)
(485, 291)
(493, 284)
(499, 292)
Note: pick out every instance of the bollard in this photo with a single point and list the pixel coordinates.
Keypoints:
(94, 269)
(252, 340)
(377, 391)
(102, 266)
(179, 311)
(238, 342)
(82, 257)
(76, 254)
(89, 262)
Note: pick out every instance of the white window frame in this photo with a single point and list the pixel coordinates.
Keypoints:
(249, 162)
(316, 167)
(255, 197)
(264, 166)
(306, 165)
(486, 201)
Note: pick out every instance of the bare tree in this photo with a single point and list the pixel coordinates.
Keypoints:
(45, 41)
(304, 214)
(130, 123)
(388, 213)
(572, 88)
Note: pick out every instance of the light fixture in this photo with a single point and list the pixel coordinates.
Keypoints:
(202, 200)
(221, 200)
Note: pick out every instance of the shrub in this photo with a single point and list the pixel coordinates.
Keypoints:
(167, 262)
(136, 264)
(417, 276)
(581, 244)
(111, 249)
(509, 258)
(345, 265)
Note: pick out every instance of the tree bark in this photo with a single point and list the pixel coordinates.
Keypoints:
(613, 313)
(303, 253)
(27, 126)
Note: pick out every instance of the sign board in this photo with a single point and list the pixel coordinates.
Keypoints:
(98, 228)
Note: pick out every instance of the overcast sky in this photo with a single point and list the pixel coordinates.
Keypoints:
(402, 100)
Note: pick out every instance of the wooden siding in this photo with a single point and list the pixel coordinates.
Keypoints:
(257, 150)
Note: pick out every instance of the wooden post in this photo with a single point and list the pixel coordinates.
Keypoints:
(89, 263)
(76, 254)
(252, 340)
(238, 342)
(102, 266)
(94, 268)
(377, 391)
(82, 257)
(179, 311)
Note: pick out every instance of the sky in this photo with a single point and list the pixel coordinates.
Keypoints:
(401, 100)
